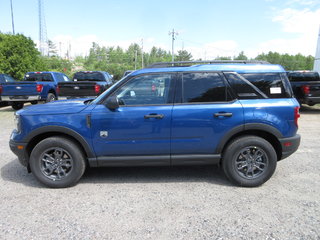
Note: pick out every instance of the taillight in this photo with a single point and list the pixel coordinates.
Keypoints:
(306, 89)
(296, 115)
(57, 89)
(39, 87)
(0, 89)
(97, 88)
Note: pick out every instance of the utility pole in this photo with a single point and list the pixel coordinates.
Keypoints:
(142, 64)
(43, 39)
(12, 18)
(173, 34)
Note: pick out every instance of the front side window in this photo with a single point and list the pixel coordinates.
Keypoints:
(150, 89)
(203, 87)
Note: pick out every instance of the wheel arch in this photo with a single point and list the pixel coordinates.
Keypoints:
(44, 132)
(264, 131)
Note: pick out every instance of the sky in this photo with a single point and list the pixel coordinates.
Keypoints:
(206, 28)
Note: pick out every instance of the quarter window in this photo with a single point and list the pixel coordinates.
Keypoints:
(145, 90)
(203, 87)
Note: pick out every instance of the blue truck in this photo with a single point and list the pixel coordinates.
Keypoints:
(241, 115)
(5, 78)
(36, 87)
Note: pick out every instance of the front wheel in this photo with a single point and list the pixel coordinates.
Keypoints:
(249, 161)
(57, 162)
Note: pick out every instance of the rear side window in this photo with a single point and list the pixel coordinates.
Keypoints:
(203, 87)
(270, 84)
(88, 76)
(38, 77)
(242, 88)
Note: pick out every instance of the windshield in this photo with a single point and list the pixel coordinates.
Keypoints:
(88, 76)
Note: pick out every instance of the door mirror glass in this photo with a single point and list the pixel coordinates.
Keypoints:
(112, 103)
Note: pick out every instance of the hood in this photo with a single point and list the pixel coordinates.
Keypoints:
(56, 107)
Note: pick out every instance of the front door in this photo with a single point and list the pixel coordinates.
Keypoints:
(139, 130)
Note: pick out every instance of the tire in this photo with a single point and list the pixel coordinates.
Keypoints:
(51, 97)
(17, 105)
(34, 102)
(57, 162)
(249, 161)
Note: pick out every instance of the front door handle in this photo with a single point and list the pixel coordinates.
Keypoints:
(222, 114)
(154, 115)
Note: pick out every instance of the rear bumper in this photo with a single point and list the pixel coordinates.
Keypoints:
(311, 100)
(19, 149)
(289, 145)
(21, 98)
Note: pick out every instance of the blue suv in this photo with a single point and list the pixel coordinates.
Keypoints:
(241, 115)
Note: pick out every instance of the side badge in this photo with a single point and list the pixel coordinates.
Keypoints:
(103, 134)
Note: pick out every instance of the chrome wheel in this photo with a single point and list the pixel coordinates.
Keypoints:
(56, 163)
(251, 162)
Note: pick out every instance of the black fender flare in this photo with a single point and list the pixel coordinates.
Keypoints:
(247, 127)
(64, 131)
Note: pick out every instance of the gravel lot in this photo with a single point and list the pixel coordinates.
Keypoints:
(165, 203)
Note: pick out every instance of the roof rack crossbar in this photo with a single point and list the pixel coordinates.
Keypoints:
(189, 63)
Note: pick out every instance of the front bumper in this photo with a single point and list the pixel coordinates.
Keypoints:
(21, 98)
(289, 145)
(19, 149)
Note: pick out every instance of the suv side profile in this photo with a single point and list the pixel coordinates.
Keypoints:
(241, 115)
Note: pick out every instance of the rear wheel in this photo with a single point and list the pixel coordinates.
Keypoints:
(57, 162)
(249, 161)
(51, 97)
(17, 105)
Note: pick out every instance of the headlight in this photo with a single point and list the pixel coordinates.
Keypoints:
(17, 122)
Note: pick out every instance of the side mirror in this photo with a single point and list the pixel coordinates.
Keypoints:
(112, 103)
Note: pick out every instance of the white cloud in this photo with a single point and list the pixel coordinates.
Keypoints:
(302, 24)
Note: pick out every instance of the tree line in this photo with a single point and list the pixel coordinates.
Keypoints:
(18, 55)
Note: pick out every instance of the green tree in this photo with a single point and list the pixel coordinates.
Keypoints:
(18, 55)
(183, 55)
(241, 56)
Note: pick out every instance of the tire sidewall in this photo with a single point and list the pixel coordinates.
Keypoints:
(76, 154)
(51, 97)
(232, 152)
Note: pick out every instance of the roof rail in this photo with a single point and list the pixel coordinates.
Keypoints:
(190, 63)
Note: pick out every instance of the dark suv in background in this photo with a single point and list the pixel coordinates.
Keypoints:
(241, 115)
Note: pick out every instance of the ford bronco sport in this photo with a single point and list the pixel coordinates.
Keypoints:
(240, 114)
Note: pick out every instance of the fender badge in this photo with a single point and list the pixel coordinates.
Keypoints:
(103, 134)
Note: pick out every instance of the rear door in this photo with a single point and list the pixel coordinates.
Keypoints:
(203, 113)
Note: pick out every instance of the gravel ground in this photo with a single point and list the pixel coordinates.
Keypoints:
(164, 203)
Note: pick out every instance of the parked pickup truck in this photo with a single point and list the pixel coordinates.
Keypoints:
(305, 86)
(4, 78)
(85, 84)
(36, 87)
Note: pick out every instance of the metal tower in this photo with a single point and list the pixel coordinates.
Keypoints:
(316, 66)
(43, 39)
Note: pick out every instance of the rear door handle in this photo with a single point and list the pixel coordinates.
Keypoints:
(154, 115)
(222, 114)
